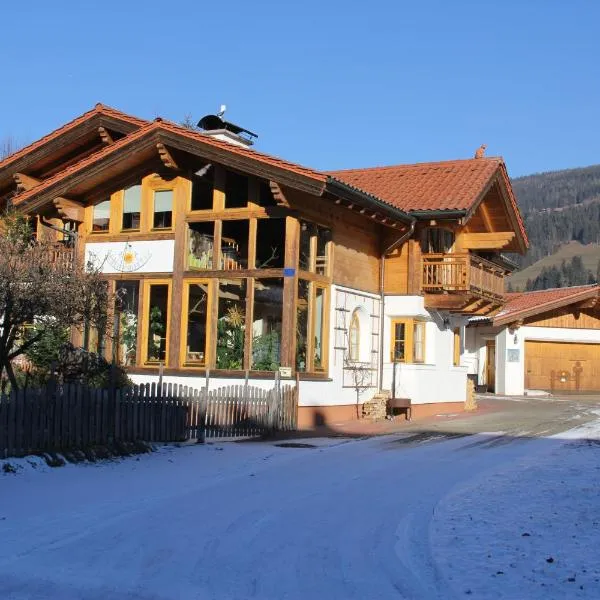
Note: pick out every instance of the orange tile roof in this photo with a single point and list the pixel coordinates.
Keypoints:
(525, 304)
(157, 126)
(99, 109)
(447, 185)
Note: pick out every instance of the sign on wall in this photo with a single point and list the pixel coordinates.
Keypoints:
(147, 256)
(513, 355)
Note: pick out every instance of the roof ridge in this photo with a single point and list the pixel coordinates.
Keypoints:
(555, 289)
(98, 109)
(419, 164)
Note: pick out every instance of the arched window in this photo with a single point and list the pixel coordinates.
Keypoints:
(354, 337)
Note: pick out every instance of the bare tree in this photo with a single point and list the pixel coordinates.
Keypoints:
(8, 146)
(361, 374)
(41, 287)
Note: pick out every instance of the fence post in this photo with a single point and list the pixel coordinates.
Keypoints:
(161, 368)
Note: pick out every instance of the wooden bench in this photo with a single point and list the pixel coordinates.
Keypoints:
(400, 404)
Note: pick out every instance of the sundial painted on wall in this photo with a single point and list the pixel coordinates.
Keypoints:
(128, 260)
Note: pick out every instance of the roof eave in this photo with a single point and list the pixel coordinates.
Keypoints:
(348, 192)
(542, 308)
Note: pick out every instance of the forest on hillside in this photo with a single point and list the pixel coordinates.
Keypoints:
(559, 207)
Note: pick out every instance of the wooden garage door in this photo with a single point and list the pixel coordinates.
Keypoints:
(562, 366)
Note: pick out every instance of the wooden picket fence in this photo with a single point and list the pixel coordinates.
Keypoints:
(76, 417)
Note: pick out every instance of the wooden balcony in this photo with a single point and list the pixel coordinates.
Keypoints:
(61, 256)
(461, 282)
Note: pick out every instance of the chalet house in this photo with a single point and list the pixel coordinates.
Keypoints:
(225, 258)
(547, 340)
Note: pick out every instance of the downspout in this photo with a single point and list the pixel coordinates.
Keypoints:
(405, 236)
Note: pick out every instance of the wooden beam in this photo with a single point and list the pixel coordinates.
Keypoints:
(590, 303)
(486, 241)
(166, 157)
(25, 182)
(69, 209)
(280, 197)
(485, 217)
(105, 136)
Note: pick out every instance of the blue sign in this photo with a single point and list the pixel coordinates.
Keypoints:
(289, 272)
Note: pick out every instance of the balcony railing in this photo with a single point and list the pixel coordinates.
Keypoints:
(462, 273)
(61, 256)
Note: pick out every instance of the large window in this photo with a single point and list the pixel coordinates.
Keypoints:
(311, 311)
(231, 324)
(132, 202)
(156, 321)
(195, 322)
(437, 240)
(101, 216)
(201, 241)
(234, 245)
(319, 329)
(163, 209)
(408, 341)
(270, 244)
(126, 321)
(267, 324)
(314, 248)
(236, 190)
(202, 188)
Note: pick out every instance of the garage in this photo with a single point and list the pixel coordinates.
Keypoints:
(562, 366)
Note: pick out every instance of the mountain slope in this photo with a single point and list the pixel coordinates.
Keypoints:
(560, 208)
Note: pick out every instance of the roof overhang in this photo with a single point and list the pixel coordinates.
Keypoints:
(506, 316)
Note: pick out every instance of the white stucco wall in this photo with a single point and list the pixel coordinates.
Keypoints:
(148, 256)
(437, 380)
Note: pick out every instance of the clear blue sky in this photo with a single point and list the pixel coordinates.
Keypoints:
(329, 84)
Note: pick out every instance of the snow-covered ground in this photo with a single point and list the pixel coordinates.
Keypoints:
(485, 516)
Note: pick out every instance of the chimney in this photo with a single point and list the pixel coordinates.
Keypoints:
(217, 127)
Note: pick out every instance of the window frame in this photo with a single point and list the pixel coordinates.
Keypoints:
(152, 200)
(354, 348)
(147, 284)
(122, 209)
(109, 201)
(209, 282)
(410, 326)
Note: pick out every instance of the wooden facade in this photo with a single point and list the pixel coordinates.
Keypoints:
(256, 243)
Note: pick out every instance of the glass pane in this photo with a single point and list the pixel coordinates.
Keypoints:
(163, 207)
(157, 322)
(195, 347)
(101, 218)
(270, 246)
(306, 231)
(231, 324)
(319, 311)
(234, 245)
(265, 195)
(266, 324)
(302, 325)
(398, 350)
(354, 337)
(202, 189)
(132, 201)
(200, 245)
(126, 309)
(418, 345)
(323, 237)
(236, 190)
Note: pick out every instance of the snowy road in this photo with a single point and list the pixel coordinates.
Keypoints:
(388, 517)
